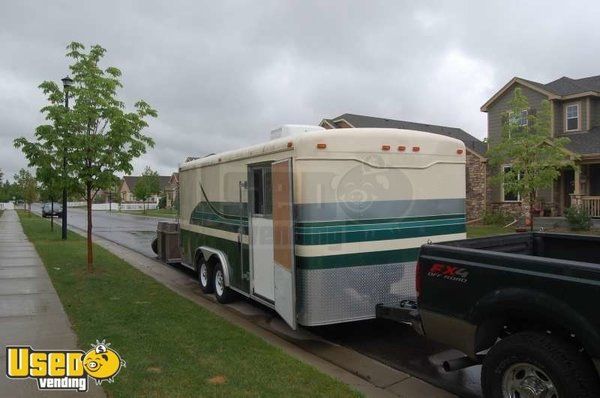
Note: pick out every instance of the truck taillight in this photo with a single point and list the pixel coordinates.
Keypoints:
(418, 280)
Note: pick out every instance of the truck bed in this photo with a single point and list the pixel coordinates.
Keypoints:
(570, 247)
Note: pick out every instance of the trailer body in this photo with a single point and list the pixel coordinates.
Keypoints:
(324, 225)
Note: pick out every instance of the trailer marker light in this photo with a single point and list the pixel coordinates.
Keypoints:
(416, 149)
(321, 146)
(402, 148)
(385, 147)
(459, 151)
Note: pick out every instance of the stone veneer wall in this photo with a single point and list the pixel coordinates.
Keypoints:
(476, 186)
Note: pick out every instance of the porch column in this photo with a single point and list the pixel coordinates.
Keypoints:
(577, 190)
(576, 195)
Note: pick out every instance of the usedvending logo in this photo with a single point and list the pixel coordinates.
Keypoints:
(64, 369)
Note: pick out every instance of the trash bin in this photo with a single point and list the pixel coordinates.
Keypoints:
(167, 234)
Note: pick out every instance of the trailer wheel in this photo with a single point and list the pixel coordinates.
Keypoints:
(223, 293)
(155, 246)
(205, 276)
(531, 364)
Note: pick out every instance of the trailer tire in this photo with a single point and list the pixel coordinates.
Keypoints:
(155, 246)
(205, 276)
(223, 294)
(532, 360)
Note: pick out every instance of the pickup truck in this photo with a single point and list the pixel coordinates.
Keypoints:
(526, 306)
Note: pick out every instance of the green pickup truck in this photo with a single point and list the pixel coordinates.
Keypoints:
(525, 306)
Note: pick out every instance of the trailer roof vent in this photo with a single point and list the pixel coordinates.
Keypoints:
(292, 129)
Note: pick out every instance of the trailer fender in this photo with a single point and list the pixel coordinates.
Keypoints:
(209, 252)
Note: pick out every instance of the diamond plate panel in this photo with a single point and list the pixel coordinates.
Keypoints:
(335, 295)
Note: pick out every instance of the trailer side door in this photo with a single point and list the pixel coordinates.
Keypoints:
(283, 241)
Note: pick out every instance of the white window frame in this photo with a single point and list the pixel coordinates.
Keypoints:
(519, 120)
(578, 105)
(504, 167)
(523, 121)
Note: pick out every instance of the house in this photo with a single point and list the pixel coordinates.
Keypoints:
(172, 189)
(575, 108)
(475, 151)
(126, 190)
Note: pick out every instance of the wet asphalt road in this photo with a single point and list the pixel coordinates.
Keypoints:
(131, 231)
(396, 345)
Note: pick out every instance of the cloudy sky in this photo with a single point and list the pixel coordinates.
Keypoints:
(222, 74)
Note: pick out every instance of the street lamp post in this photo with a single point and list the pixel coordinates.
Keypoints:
(67, 83)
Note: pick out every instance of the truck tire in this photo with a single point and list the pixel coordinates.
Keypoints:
(531, 364)
(223, 294)
(205, 277)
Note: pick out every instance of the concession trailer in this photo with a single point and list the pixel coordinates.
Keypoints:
(321, 225)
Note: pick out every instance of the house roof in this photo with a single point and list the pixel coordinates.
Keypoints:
(567, 86)
(470, 142)
(585, 143)
(132, 180)
(562, 88)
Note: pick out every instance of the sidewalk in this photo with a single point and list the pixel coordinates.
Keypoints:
(30, 310)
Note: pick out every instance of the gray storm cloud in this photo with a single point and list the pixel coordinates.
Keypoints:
(222, 74)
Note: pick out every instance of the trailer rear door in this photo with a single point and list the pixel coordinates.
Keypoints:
(283, 241)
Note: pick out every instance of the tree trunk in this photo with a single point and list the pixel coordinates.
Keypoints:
(51, 214)
(90, 252)
(531, 211)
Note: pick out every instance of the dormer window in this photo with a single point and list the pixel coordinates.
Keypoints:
(572, 117)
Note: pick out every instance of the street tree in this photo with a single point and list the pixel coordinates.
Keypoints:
(98, 135)
(534, 156)
(147, 185)
(27, 186)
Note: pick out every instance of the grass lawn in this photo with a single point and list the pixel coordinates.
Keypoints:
(480, 230)
(169, 213)
(172, 346)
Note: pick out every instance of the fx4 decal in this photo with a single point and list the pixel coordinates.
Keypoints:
(448, 272)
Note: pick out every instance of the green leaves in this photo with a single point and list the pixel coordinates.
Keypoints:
(96, 138)
(147, 185)
(534, 156)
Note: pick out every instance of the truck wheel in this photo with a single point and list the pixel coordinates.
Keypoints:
(155, 246)
(205, 277)
(223, 293)
(530, 364)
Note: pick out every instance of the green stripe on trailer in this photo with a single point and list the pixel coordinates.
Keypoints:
(366, 235)
(356, 259)
(192, 240)
(459, 216)
(213, 221)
